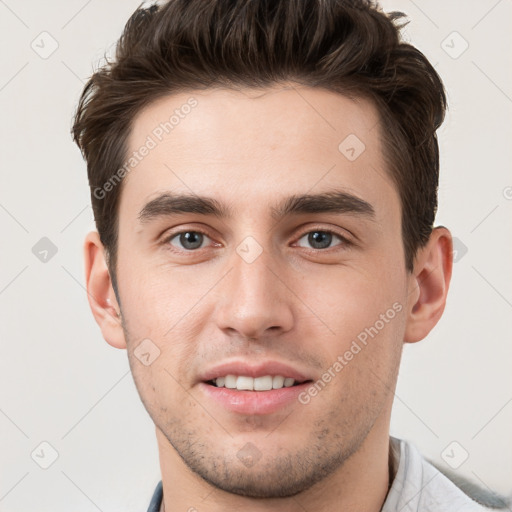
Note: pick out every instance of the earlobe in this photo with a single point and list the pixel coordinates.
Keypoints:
(100, 293)
(429, 285)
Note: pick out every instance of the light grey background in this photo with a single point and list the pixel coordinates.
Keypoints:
(60, 383)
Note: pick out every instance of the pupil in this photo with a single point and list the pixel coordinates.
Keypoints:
(191, 240)
(320, 238)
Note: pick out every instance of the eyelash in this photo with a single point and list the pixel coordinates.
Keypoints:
(345, 242)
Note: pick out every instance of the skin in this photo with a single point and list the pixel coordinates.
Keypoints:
(296, 303)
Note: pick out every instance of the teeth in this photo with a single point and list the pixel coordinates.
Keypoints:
(277, 381)
(243, 382)
(230, 381)
(288, 382)
(262, 383)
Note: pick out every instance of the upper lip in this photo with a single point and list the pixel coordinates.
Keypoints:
(252, 370)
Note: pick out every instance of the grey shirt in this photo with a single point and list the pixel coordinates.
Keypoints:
(418, 486)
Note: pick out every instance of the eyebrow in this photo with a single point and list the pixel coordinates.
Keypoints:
(339, 202)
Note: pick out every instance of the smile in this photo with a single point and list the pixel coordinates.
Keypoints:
(247, 383)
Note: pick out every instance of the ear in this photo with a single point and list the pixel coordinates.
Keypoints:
(429, 285)
(100, 293)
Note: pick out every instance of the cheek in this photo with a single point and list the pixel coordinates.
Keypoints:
(350, 303)
(158, 301)
(362, 357)
(159, 389)
(162, 308)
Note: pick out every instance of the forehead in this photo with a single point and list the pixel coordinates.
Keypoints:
(252, 147)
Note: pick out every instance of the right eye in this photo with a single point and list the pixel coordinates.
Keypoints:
(189, 240)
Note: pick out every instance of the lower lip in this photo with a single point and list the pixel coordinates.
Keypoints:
(254, 402)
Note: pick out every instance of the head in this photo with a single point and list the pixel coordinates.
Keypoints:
(264, 182)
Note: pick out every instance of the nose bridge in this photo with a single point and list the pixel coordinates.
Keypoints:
(253, 300)
(251, 275)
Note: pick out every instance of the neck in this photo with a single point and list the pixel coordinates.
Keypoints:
(361, 483)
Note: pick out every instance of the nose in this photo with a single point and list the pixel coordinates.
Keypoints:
(255, 299)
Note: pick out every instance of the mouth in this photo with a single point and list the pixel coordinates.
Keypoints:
(247, 389)
(248, 383)
(242, 400)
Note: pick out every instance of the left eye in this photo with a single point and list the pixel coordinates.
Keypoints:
(189, 240)
(321, 239)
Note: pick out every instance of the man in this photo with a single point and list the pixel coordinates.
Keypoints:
(264, 181)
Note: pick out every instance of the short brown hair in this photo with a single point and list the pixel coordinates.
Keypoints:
(350, 47)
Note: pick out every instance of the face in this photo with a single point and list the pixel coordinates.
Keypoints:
(245, 282)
